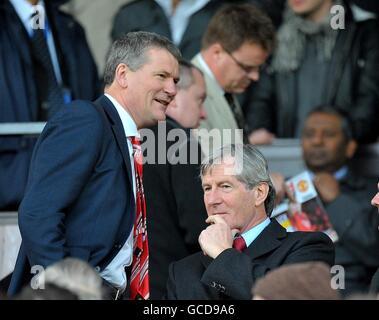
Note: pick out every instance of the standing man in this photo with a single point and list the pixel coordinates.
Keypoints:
(236, 43)
(45, 63)
(174, 197)
(85, 186)
(239, 198)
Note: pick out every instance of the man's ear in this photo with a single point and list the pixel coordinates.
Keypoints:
(351, 147)
(122, 75)
(215, 50)
(261, 193)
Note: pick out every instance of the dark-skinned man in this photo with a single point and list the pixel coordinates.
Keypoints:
(328, 144)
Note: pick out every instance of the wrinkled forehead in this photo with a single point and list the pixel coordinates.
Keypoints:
(323, 121)
(220, 167)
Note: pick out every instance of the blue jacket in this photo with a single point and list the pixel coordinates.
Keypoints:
(18, 101)
(79, 199)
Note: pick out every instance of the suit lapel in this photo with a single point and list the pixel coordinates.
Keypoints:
(118, 131)
(267, 241)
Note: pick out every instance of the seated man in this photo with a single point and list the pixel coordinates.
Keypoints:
(328, 144)
(174, 198)
(239, 198)
(315, 63)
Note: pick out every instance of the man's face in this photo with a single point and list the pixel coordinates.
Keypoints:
(190, 102)
(153, 86)
(224, 195)
(306, 7)
(236, 70)
(324, 145)
(375, 200)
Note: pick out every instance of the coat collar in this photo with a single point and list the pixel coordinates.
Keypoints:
(118, 131)
(267, 241)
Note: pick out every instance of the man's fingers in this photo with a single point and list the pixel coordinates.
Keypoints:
(215, 219)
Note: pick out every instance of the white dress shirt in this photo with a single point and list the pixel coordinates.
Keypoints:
(179, 18)
(114, 273)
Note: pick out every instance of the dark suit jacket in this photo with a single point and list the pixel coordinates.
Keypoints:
(79, 200)
(19, 100)
(232, 274)
(147, 15)
(356, 222)
(175, 207)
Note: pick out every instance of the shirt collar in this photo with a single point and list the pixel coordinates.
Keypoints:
(250, 235)
(192, 6)
(25, 11)
(130, 127)
(208, 71)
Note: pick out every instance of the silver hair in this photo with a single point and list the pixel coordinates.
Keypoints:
(187, 77)
(76, 276)
(250, 168)
(131, 50)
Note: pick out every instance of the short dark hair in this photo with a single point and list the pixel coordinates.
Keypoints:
(346, 121)
(234, 25)
(131, 49)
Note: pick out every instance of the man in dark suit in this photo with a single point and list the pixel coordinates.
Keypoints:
(239, 198)
(25, 80)
(301, 75)
(182, 21)
(80, 199)
(174, 197)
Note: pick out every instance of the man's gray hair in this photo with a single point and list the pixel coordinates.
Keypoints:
(250, 168)
(76, 276)
(131, 49)
(186, 76)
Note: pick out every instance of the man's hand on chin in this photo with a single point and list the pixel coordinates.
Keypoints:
(217, 237)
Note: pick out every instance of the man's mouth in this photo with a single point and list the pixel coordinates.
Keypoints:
(164, 102)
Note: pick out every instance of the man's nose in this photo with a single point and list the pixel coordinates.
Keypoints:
(171, 88)
(253, 75)
(212, 198)
(317, 139)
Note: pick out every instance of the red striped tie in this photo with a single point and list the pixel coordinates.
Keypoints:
(139, 281)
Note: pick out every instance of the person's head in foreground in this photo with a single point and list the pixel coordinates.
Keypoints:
(301, 281)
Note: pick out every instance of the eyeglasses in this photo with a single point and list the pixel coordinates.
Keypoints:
(247, 69)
